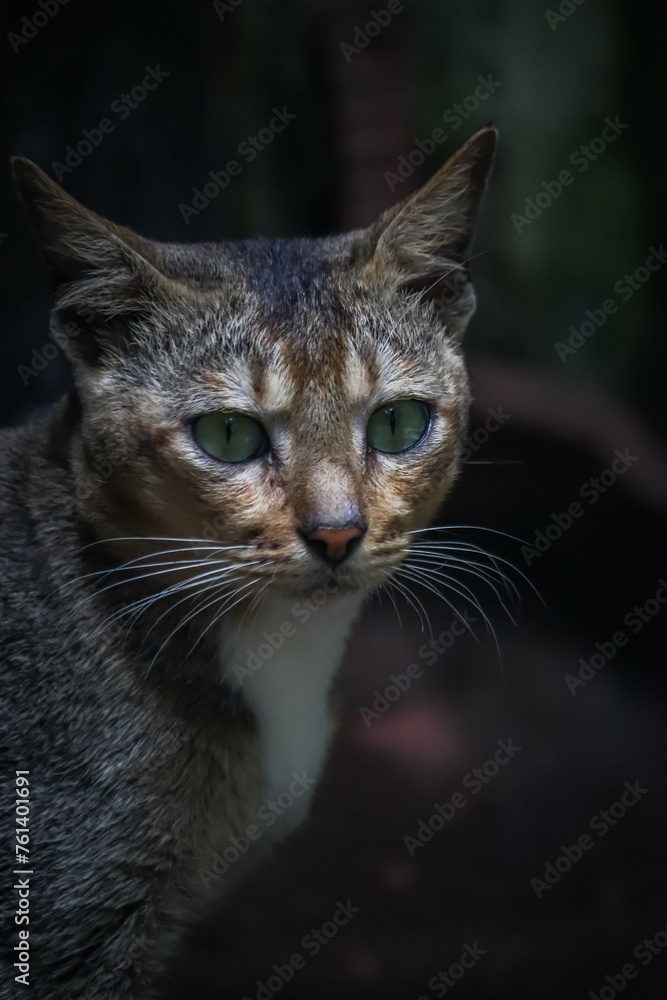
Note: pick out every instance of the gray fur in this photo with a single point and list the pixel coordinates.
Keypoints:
(143, 762)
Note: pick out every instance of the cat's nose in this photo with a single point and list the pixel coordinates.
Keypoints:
(334, 544)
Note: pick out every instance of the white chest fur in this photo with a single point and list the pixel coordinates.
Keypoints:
(284, 663)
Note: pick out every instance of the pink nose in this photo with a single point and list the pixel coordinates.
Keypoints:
(334, 544)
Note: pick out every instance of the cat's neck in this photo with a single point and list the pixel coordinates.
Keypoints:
(283, 664)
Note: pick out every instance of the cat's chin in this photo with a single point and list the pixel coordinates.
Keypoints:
(334, 583)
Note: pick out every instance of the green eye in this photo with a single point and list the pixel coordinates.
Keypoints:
(398, 426)
(230, 437)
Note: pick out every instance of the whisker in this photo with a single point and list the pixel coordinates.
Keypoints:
(118, 569)
(131, 580)
(415, 575)
(483, 572)
(224, 610)
(388, 586)
(224, 567)
(475, 603)
(176, 564)
(407, 594)
(200, 591)
(189, 618)
(214, 585)
(440, 575)
(472, 547)
(191, 582)
(438, 571)
(466, 527)
(201, 543)
(256, 603)
(419, 602)
(444, 556)
(138, 559)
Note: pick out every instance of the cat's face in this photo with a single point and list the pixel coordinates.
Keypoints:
(301, 403)
(258, 430)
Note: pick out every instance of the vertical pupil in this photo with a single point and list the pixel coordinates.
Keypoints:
(228, 428)
(392, 420)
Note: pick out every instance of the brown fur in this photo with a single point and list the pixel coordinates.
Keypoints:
(183, 326)
(308, 336)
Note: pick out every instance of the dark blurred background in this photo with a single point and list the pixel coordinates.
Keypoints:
(365, 106)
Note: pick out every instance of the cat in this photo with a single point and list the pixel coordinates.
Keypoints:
(255, 433)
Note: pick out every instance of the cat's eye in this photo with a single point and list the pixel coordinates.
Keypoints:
(398, 426)
(230, 437)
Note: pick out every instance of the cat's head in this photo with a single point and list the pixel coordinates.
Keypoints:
(303, 402)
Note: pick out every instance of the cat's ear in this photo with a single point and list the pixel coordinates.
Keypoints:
(101, 271)
(424, 242)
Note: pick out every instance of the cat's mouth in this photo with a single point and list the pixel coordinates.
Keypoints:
(301, 575)
(322, 584)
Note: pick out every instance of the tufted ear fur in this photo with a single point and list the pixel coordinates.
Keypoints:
(103, 274)
(424, 241)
